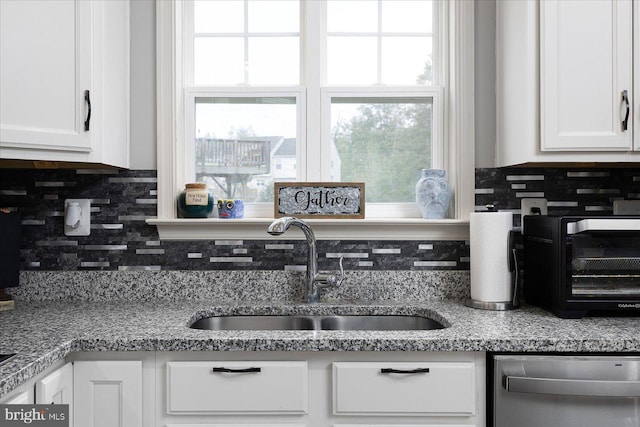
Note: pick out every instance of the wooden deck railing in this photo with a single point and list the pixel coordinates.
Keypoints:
(229, 156)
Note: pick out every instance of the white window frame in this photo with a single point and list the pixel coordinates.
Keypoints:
(438, 150)
(457, 127)
(252, 210)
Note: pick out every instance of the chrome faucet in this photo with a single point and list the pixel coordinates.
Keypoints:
(314, 279)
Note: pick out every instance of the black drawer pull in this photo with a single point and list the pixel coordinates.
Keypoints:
(87, 98)
(404, 371)
(625, 121)
(237, 371)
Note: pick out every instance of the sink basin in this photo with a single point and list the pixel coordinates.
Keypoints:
(378, 323)
(255, 323)
(317, 323)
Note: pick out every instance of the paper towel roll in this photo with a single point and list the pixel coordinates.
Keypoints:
(489, 242)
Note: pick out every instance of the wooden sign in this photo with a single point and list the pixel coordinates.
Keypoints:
(319, 199)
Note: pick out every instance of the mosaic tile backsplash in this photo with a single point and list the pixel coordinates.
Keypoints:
(121, 240)
(569, 191)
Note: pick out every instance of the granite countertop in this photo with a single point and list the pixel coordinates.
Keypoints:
(42, 333)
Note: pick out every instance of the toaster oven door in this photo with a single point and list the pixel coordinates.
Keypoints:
(603, 259)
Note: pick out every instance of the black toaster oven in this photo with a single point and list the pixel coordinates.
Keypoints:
(578, 265)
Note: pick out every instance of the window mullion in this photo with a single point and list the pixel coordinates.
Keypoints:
(379, 42)
(245, 39)
(314, 48)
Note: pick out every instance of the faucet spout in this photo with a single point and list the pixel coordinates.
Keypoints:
(314, 280)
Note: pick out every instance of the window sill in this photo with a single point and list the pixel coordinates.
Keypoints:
(324, 229)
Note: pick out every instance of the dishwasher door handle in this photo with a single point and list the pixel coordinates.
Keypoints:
(570, 387)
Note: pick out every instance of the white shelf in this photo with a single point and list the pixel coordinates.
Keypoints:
(324, 229)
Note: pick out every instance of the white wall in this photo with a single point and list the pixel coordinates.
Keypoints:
(143, 83)
(485, 82)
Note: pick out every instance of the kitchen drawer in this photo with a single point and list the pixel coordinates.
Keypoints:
(237, 387)
(427, 388)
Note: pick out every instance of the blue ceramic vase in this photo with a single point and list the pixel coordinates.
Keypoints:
(433, 194)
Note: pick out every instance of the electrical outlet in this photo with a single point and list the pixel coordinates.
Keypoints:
(532, 207)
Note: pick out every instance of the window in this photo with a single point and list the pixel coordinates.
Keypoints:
(384, 142)
(331, 90)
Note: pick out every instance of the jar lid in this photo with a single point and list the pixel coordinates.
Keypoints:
(199, 185)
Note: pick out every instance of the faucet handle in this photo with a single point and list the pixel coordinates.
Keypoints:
(325, 279)
(335, 279)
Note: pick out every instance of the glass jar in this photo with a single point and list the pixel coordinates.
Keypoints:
(195, 201)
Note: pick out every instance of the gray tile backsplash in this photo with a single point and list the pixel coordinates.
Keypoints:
(122, 200)
(569, 191)
(121, 240)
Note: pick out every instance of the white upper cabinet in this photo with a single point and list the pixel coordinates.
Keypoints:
(636, 80)
(565, 81)
(586, 66)
(64, 81)
(46, 66)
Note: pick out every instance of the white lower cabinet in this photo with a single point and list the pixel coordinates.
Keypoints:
(379, 388)
(266, 389)
(238, 425)
(108, 393)
(237, 387)
(57, 389)
(54, 385)
(339, 389)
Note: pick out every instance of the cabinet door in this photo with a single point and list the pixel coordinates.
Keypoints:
(45, 68)
(57, 388)
(586, 57)
(107, 393)
(636, 66)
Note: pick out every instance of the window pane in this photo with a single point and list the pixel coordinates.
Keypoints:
(391, 40)
(274, 16)
(264, 68)
(218, 16)
(352, 60)
(218, 60)
(243, 145)
(400, 68)
(352, 16)
(246, 42)
(384, 142)
(407, 16)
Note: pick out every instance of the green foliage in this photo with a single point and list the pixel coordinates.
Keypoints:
(386, 145)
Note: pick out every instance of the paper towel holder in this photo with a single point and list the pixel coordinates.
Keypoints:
(514, 268)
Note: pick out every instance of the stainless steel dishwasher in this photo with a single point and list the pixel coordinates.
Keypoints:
(564, 391)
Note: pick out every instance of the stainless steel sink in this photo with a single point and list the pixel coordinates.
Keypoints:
(317, 323)
(378, 323)
(255, 323)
